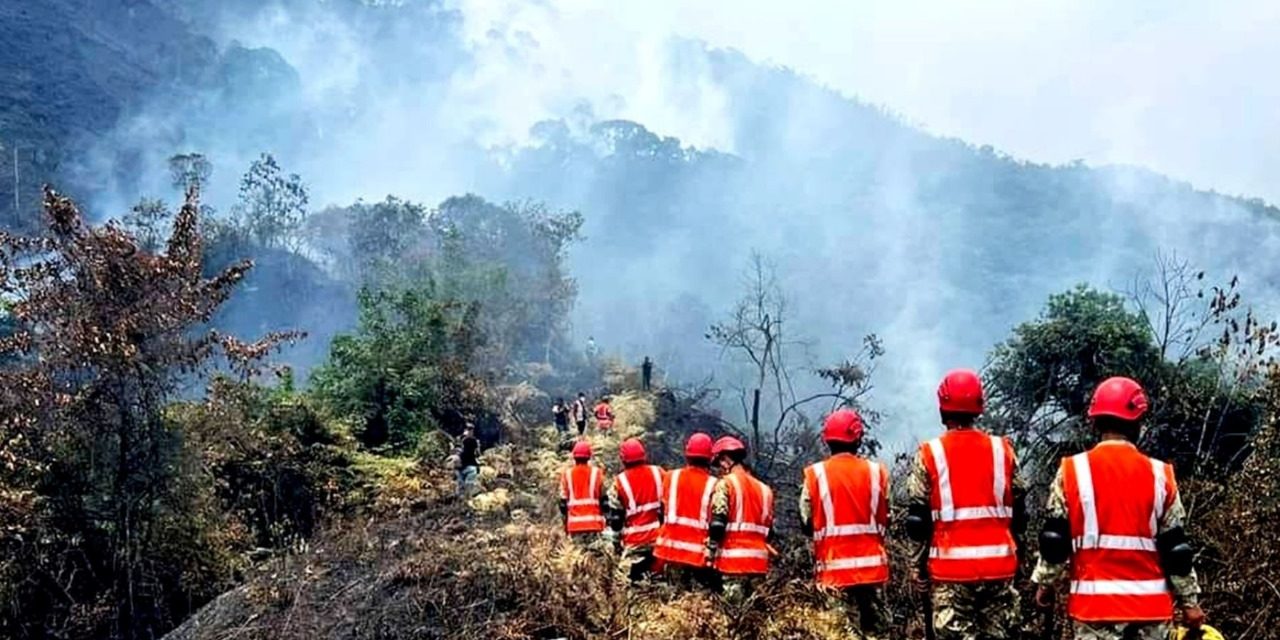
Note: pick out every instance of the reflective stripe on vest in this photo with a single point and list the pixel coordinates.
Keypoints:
(584, 514)
(1116, 573)
(848, 540)
(683, 536)
(972, 538)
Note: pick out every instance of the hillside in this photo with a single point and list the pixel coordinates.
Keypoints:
(497, 567)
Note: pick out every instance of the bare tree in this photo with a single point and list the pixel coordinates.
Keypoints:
(755, 335)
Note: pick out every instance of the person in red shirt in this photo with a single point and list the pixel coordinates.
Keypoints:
(844, 505)
(604, 414)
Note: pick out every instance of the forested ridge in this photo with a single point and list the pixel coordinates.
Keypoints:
(228, 389)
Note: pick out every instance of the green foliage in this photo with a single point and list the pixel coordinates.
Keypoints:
(407, 369)
(272, 205)
(1046, 372)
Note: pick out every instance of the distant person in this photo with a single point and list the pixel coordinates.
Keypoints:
(646, 373)
(604, 414)
(468, 462)
(560, 411)
(592, 349)
(579, 413)
(844, 504)
(1114, 532)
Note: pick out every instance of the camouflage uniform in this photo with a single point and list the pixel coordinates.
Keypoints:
(737, 589)
(863, 608)
(967, 610)
(1186, 589)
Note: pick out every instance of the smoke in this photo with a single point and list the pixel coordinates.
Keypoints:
(875, 226)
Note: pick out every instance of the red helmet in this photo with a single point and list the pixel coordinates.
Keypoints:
(698, 446)
(844, 425)
(631, 451)
(961, 392)
(726, 444)
(582, 450)
(1119, 397)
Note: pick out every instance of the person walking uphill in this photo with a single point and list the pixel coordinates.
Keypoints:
(604, 414)
(1116, 518)
(844, 504)
(582, 499)
(686, 504)
(635, 509)
(741, 522)
(967, 503)
(468, 462)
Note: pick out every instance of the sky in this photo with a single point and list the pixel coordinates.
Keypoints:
(1184, 88)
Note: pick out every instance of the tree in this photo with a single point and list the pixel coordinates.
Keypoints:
(755, 337)
(407, 369)
(189, 171)
(148, 220)
(272, 206)
(103, 335)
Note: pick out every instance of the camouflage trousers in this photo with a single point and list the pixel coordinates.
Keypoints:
(864, 611)
(738, 589)
(975, 610)
(637, 563)
(688, 577)
(1132, 631)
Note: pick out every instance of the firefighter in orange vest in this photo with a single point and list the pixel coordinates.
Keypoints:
(686, 504)
(635, 510)
(1116, 518)
(966, 504)
(604, 414)
(582, 497)
(741, 522)
(844, 504)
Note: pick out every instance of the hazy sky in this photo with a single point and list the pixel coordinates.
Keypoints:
(1185, 88)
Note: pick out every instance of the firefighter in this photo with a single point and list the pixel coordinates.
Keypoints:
(966, 505)
(635, 510)
(686, 504)
(582, 497)
(1116, 519)
(844, 504)
(741, 522)
(604, 414)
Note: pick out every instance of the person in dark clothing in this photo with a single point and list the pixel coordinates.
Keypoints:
(468, 461)
(646, 373)
(561, 412)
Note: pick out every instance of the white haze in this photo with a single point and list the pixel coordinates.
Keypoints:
(427, 113)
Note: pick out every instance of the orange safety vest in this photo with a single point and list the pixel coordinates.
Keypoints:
(1116, 498)
(745, 549)
(604, 415)
(971, 476)
(683, 536)
(850, 507)
(640, 490)
(581, 485)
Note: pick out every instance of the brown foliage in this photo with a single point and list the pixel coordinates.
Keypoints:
(90, 485)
